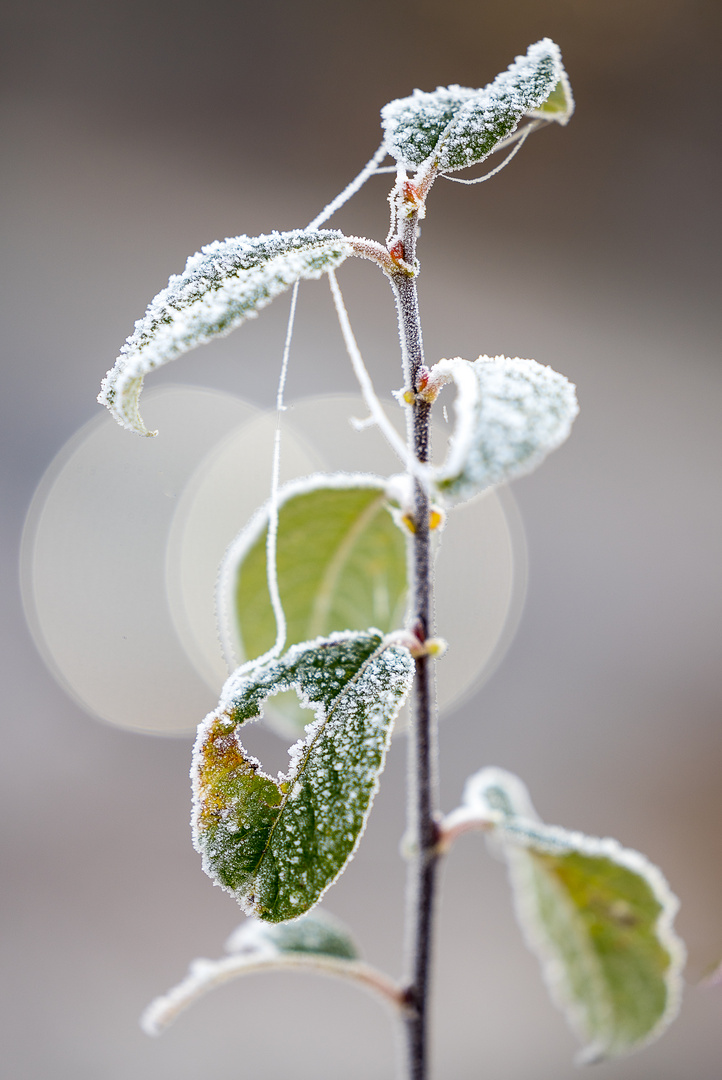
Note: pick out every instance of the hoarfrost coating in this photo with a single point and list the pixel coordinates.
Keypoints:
(510, 413)
(278, 845)
(586, 906)
(461, 126)
(222, 285)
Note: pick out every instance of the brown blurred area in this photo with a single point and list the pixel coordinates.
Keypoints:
(133, 133)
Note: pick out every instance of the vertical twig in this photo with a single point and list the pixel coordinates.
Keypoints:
(422, 737)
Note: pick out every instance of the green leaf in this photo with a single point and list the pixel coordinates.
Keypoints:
(222, 285)
(316, 933)
(599, 917)
(341, 565)
(509, 415)
(317, 944)
(277, 845)
(559, 106)
(458, 126)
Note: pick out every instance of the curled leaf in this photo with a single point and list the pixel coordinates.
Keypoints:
(456, 126)
(559, 106)
(314, 943)
(277, 845)
(222, 285)
(509, 415)
(599, 917)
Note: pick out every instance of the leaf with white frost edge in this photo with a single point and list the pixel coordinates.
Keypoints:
(315, 943)
(317, 934)
(509, 415)
(461, 126)
(559, 106)
(222, 285)
(599, 917)
(340, 565)
(277, 845)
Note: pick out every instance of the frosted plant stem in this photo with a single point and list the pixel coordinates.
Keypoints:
(422, 827)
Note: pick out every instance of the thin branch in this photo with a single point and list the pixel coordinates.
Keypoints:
(422, 817)
(206, 975)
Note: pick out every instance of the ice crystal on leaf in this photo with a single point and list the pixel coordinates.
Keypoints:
(461, 126)
(598, 915)
(223, 284)
(509, 415)
(277, 845)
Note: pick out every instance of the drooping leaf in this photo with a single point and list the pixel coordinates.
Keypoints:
(341, 565)
(598, 916)
(222, 285)
(313, 943)
(509, 415)
(461, 126)
(316, 933)
(277, 845)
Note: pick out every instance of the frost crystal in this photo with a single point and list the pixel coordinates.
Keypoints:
(510, 415)
(462, 126)
(222, 285)
(278, 845)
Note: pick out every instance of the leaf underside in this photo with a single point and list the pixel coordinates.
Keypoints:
(316, 934)
(277, 845)
(257, 946)
(599, 917)
(510, 413)
(459, 126)
(559, 106)
(341, 565)
(221, 286)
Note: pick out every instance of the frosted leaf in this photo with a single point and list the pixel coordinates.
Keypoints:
(340, 565)
(559, 106)
(461, 126)
(509, 415)
(599, 917)
(317, 944)
(277, 845)
(223, 284)
(317, 933)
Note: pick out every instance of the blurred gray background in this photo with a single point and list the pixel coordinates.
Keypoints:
(134, 132)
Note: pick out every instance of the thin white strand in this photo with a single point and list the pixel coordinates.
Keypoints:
(272, 535)
(280, 407)
(378, 416)
(358, 182)
(487, 176)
